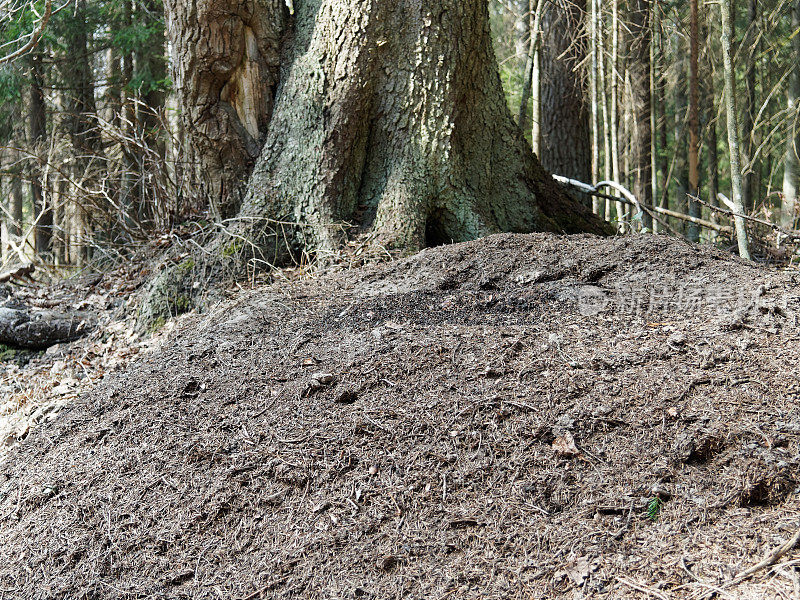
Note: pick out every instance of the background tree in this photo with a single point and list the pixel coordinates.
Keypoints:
(791, 171)
(693, 231)
(565, 127)
(639, 14)
(733, 128)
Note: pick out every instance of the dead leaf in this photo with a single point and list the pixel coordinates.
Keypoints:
(578, 570)
(565, 445)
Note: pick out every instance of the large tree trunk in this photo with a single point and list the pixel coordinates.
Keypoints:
(226, 61)
(416, 155)
(565, 130)
(391, 122)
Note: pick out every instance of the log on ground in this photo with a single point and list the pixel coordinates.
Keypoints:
(39, 329)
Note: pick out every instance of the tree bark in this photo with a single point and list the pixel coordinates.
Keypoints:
(390, 123)
(416, 156)
(226, 62)
(565, 130)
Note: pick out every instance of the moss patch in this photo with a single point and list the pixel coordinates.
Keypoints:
(169, 295)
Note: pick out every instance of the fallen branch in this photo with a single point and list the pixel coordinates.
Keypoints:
(631, 200)
(791, 234)
(39, 329)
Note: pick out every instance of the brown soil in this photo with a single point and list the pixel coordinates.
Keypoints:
(519, 417)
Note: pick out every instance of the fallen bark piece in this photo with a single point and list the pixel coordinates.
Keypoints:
(39, 329)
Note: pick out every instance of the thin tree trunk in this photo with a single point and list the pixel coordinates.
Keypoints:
(733, 132)
(604, 87)
(597, 203)
(791, 162)
(4, 221)
(536, 98)
(654, 111)
(681, 168)
(708, 106)
(59, 222)
(712, 141)
(692, 230)
(640, 92)
(627, 127)
(15, 188)
(129, 189)
(615, 101)
(531, 65)
(527, 67)
(749, 178)
(661, 117)
(38, 132)
(84, 134)
(150, 132)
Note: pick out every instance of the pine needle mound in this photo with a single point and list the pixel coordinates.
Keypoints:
(524, 416)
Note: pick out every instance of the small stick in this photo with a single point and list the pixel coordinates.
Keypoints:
(643, 589)
(770, 560)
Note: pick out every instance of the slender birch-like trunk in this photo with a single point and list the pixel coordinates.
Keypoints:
(594, 26)
(791, 162)
(733, 132)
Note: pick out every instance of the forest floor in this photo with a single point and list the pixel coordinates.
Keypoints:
(525, 416)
